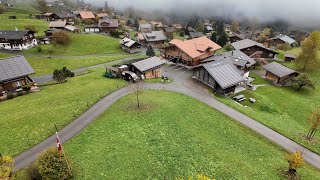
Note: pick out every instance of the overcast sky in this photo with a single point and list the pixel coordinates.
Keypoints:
(297, 11)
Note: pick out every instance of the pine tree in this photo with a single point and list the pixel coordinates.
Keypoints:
(214, 36)
(150, 52)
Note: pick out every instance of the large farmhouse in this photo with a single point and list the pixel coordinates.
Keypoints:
(254, 49)
(221, 76)
(108, 25)
(17, 40)
(148, 68)
(190, 52)
(14, 73)
(154, 38)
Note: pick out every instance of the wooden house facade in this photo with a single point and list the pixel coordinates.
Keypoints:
(17, 40)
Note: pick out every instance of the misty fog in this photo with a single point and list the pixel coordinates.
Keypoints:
(294, 11)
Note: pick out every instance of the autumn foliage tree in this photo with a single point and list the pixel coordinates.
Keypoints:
(6, 167)
(309, 59)
(42, 6)
(52, 165)
(303, 80)
(295, 161)
(235, 26)
(200, 26)
(314, 121)
(60, 37)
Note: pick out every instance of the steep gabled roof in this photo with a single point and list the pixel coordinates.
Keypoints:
(192, 46)
(112, 23)
(12, 34)
(196, 34)
(246, 43)
(149, 63)
(278, 69)
(57, 24)
(154, 36)
(87, 15)
(284, 38)
(14, 67)
(226, 75)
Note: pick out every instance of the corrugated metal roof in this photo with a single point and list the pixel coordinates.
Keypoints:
(149, 63)
(246, 43)
(278, 69)
(284, 38)
(226, 75)
(14, 67)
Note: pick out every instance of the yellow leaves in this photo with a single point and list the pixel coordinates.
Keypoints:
(295, 160)
(6, 166)
(314, 119)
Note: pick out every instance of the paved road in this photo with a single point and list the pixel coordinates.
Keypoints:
(182, 84)
(47, 78)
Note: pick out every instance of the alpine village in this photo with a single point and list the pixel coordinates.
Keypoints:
(162, 89)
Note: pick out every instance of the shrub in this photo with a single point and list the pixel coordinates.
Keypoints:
(284, 47)
(67, 72)
(26, 88)
(33, 172)
(39, 49)
(52, 165)
(31, 28)
(77, 21)
(20, 93)
(60, 37)
(88, 21)
(182, 33)
(10, 96)
(228, 47)
(59, 76)
(6, 167)
(2, 9)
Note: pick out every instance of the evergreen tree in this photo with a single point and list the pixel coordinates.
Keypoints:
(150, 52)
(214, 36)
(222, 40)
(200, 26)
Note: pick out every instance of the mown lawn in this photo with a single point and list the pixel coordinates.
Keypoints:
(284, 109)
(44, 66)
(22, 20)
(29, 119)
(82, 44)
(173, 136)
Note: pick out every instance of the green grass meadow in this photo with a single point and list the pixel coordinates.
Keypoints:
(173, 136)
(29, 119)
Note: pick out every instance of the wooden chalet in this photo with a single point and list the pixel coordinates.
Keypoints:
(17, 40)
(233, 37)
(254, 49)
(289, 57)
(190, 52)
(130, 45)
(87, 15)
(280, 40)
(154, 38)
(221, 76)
(107, 25)
(148, 68)
(279, 74)
(14, 73)
(51, 16)
(145, 28)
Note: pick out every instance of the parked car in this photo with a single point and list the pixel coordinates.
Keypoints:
(239, 98)
(130, 76)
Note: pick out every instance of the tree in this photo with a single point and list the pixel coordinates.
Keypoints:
(60, 37)
(182, 33)
(6, 167)
(220, 28)
(142, 21)
(264, 35)
(235, 26)
(228, 47)
(2, 9)
(42, 6)
(150, 52)
(314, 121)
(200, 26)
(59, 76)
(31, 28)
(137, 88)
(303, 80)
(284, 47)
(295, 161)
(309, 57)
(222, 40)
(214, 36)
(52, 165)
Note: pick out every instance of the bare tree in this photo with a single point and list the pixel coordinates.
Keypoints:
(137, 88)
(314, 121)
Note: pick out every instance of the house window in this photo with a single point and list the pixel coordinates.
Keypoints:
(18, 84)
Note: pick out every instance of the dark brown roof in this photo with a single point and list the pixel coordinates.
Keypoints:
(112, 23)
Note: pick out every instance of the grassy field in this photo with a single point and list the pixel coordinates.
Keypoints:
(22, 20)
(44, 66)
(294, 51)
(173, 136)
(82, 44)
(284, 109)
(29, 119)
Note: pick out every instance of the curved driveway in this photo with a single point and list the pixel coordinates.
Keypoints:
(182, 84)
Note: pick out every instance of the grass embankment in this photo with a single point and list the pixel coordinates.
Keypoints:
(173, 136)
(283, 109)
(82, 44)
(29, 119)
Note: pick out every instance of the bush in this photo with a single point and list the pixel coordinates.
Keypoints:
(26, 88)
(39, 49)
(182, 33)
(88, 21)
(284, 47)
(20, 93)
(31, 28)
(77, 21)
(10, 96)
(52, 165)
(60, 37)
(33, 172)
(67, 72)
(6, 167)
(2, 9)
(228, 47)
